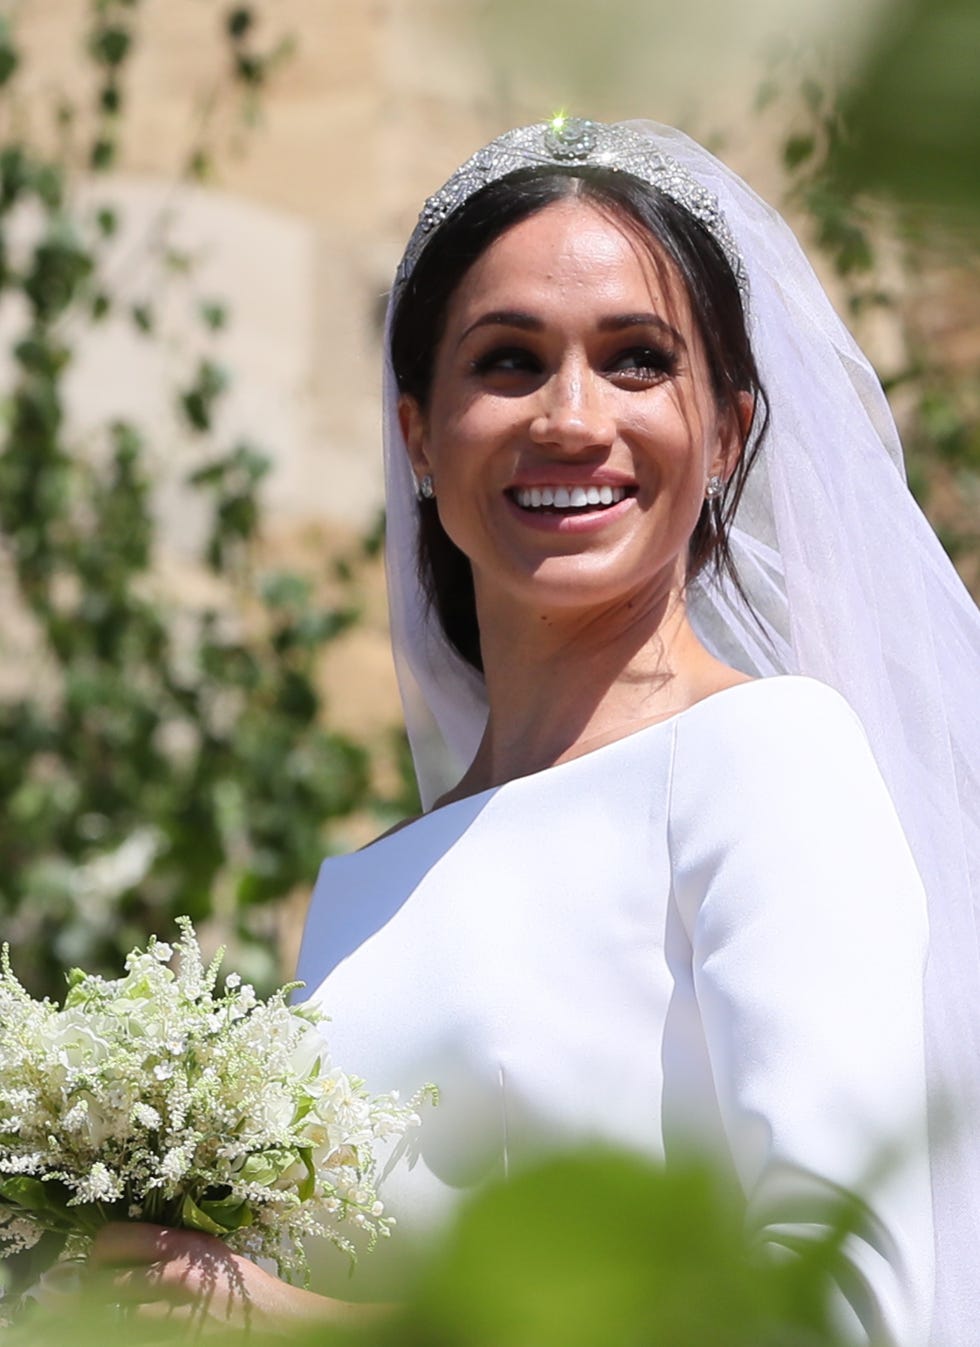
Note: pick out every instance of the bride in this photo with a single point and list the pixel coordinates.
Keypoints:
(662, 604)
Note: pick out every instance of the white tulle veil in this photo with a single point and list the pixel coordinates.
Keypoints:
(852, 587)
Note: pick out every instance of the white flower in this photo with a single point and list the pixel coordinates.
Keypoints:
(146, 1116)
(175, 1163)
(309, 1056)
(99, 1185)
(31, 1163)
(78, 1039)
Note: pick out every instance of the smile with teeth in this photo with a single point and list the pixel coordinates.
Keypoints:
(568, 498)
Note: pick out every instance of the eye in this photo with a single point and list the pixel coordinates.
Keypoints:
(643, 364)
(505, 361)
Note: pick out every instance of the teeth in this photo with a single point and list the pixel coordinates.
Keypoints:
(561, 498)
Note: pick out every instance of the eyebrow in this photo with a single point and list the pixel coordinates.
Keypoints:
(617, 322)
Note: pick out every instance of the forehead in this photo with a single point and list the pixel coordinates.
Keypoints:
(575, 255)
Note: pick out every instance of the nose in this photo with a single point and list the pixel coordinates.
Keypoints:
(573, 413)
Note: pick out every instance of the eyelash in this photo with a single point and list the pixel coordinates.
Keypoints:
(651, 362)
(655, 361)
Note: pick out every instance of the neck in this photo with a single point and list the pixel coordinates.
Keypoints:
(560, 684)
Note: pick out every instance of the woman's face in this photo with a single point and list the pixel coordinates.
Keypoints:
(571, 426)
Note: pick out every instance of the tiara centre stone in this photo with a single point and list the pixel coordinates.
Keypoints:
(570, 138)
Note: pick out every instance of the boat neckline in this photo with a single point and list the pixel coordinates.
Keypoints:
(667, 721)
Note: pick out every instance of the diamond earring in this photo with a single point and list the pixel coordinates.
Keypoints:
(714, 488)
(425, 487)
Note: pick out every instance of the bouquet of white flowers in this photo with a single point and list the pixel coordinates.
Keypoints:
(161, 1097)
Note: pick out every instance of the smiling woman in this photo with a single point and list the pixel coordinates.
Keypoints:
(673, 316)
(676, 895)
(587, 386)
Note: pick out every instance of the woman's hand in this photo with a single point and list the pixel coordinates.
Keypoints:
(195, 1279)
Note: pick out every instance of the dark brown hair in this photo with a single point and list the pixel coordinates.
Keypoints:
(665, 229)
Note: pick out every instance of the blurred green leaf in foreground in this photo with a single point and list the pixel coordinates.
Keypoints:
(914, 108)
(595, 1249)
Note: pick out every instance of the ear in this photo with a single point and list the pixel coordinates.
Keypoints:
(734, 424)
(412, 421)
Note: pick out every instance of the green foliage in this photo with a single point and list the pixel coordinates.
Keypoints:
(914, 109)
(881, 258)
(602, 1248)
(596, 1249)
(160, 762)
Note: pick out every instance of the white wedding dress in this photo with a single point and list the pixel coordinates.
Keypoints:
(709, 933)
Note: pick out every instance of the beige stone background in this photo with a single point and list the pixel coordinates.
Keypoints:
(303, 224)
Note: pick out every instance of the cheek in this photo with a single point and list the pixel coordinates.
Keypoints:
(463, 438)
(674, 444)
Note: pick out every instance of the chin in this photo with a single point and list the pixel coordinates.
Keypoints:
(568, 585)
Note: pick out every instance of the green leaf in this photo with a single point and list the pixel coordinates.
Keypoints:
(199, 165)
(197, 403)
(214, 315)
(797, 150)
(193, 1218)
(239, 21)
(58, 268)
(266, 1166)
(308, 1187)
(27, 1193)
(296, 697)
(251, 70)
(42, 355)
(110, 99)
(230, 1213)
(286, 589)
(107, 219)
(49, 183)
(110, 45)
(103, 154)
(9, 58)
(601, 1248)
(143, 317)
(15, 174)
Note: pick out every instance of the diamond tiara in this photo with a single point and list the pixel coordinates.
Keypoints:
(565, 142)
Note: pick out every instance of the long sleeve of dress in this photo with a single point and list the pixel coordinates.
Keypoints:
(807, 930)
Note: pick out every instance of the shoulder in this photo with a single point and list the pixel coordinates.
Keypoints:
(779, 762)
(789, 701)
(775, 789)
(770, 727)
